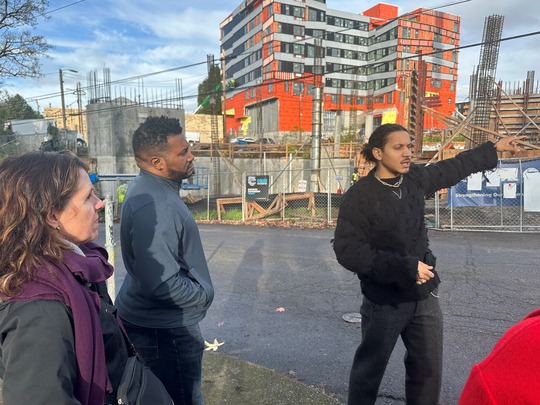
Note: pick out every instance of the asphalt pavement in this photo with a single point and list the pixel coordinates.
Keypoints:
(281, 296)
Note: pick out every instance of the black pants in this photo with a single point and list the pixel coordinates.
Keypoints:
(420, 326)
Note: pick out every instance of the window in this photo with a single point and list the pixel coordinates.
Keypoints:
(298, 49)
(298, 12)
(406, 32)
(390, 98)
(318, 34)
(298, 88)
(298, 31)
(286, 87)
(347, 99)
(298, 68)
(435, 83)
(452, 86)
(270, 87)
(362, 26)
(334, 99)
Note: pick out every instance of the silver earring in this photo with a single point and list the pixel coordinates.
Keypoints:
(57, 228)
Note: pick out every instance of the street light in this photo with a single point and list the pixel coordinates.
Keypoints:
(61, 76)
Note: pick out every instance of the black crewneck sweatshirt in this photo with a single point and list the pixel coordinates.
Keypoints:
(381, 233)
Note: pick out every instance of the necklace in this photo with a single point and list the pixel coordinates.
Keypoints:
(396, 185)
(388, 184)
(397, 193)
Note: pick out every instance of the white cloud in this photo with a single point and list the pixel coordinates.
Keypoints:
(139, 37)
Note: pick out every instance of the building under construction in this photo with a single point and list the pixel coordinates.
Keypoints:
(496, 109)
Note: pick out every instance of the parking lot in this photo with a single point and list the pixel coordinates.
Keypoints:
(280, 297)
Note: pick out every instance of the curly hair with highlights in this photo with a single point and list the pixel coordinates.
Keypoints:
(31, 186)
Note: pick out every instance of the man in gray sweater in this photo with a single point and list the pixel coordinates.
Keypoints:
(167, 289)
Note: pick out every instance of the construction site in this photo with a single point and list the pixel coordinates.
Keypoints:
(300, 178)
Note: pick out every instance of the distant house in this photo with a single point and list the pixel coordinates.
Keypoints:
(30, 133)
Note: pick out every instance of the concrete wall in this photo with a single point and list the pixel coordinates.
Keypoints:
(110, 130)
(284, 177)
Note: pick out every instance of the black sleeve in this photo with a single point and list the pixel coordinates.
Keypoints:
(38, 355)
(449, 172)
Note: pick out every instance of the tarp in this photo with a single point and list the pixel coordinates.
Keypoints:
(512, 183)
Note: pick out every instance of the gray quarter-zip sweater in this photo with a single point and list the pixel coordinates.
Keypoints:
(168, 284)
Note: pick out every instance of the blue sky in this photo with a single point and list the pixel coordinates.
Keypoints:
(143, 37)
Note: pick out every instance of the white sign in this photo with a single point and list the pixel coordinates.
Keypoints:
(302, 186)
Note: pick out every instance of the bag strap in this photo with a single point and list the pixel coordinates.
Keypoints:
(101, 289)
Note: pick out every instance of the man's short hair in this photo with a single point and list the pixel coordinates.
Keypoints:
(151, 136)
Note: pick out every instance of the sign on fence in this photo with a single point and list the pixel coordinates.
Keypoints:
(506, 185)
(257, 188)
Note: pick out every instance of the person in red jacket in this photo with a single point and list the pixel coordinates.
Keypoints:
(510, 374)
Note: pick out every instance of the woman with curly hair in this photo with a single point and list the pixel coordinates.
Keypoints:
(60, 341)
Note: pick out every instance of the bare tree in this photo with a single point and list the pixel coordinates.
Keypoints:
(20, 49)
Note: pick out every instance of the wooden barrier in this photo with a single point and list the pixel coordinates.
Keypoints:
(255, 211)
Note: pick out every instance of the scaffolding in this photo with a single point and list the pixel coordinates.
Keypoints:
(482, 89)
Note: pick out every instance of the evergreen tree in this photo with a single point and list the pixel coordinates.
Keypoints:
(207, 92)
(13, 108)
(16, 108)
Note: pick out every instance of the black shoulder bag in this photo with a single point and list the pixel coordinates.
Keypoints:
(139, 385)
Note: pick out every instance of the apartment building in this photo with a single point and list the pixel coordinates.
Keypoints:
(276, 52)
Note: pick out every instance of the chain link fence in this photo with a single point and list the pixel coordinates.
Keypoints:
(505, 199)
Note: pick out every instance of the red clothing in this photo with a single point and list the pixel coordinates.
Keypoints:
(510, 374)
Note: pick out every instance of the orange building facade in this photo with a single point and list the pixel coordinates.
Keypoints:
(277, 51)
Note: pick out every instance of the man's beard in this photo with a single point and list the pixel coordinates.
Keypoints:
(176, 175)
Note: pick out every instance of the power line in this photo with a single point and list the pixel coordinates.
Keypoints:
(63, 7)
(344, 70)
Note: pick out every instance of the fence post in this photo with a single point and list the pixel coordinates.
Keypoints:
(329, 199)
(109, 240)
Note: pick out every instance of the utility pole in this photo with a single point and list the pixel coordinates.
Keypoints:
(61, 77)
(224, 95)
(79, 108)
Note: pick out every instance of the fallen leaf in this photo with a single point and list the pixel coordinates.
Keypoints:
(212, 346)
(280, 309)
